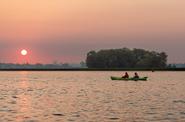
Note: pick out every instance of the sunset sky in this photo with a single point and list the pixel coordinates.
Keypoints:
(65, 30)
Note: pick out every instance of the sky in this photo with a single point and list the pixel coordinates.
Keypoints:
(65, 30)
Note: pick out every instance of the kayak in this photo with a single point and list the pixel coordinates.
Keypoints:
(131, 79)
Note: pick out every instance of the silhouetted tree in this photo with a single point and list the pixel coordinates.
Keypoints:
(126, 58)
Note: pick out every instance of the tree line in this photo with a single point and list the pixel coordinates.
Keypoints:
(126, 58)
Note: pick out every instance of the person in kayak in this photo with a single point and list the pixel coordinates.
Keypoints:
(126, 75)
(136, 75)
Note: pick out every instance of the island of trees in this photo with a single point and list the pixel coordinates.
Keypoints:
(126, 58)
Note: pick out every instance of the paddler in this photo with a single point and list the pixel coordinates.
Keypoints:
(136, 75)
(126, 75)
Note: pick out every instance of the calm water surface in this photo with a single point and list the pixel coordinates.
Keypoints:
(91, 97)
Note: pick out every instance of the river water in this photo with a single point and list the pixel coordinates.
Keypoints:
(91, 97)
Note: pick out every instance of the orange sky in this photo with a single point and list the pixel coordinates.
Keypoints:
(65, 30)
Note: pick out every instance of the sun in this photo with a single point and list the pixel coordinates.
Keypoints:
(24, 52)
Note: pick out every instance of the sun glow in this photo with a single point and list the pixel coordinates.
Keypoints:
(24, 52)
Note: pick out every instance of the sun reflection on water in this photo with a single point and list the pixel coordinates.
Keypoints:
(24, 101)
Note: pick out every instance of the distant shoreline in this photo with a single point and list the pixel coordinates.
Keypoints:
(99, 69)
